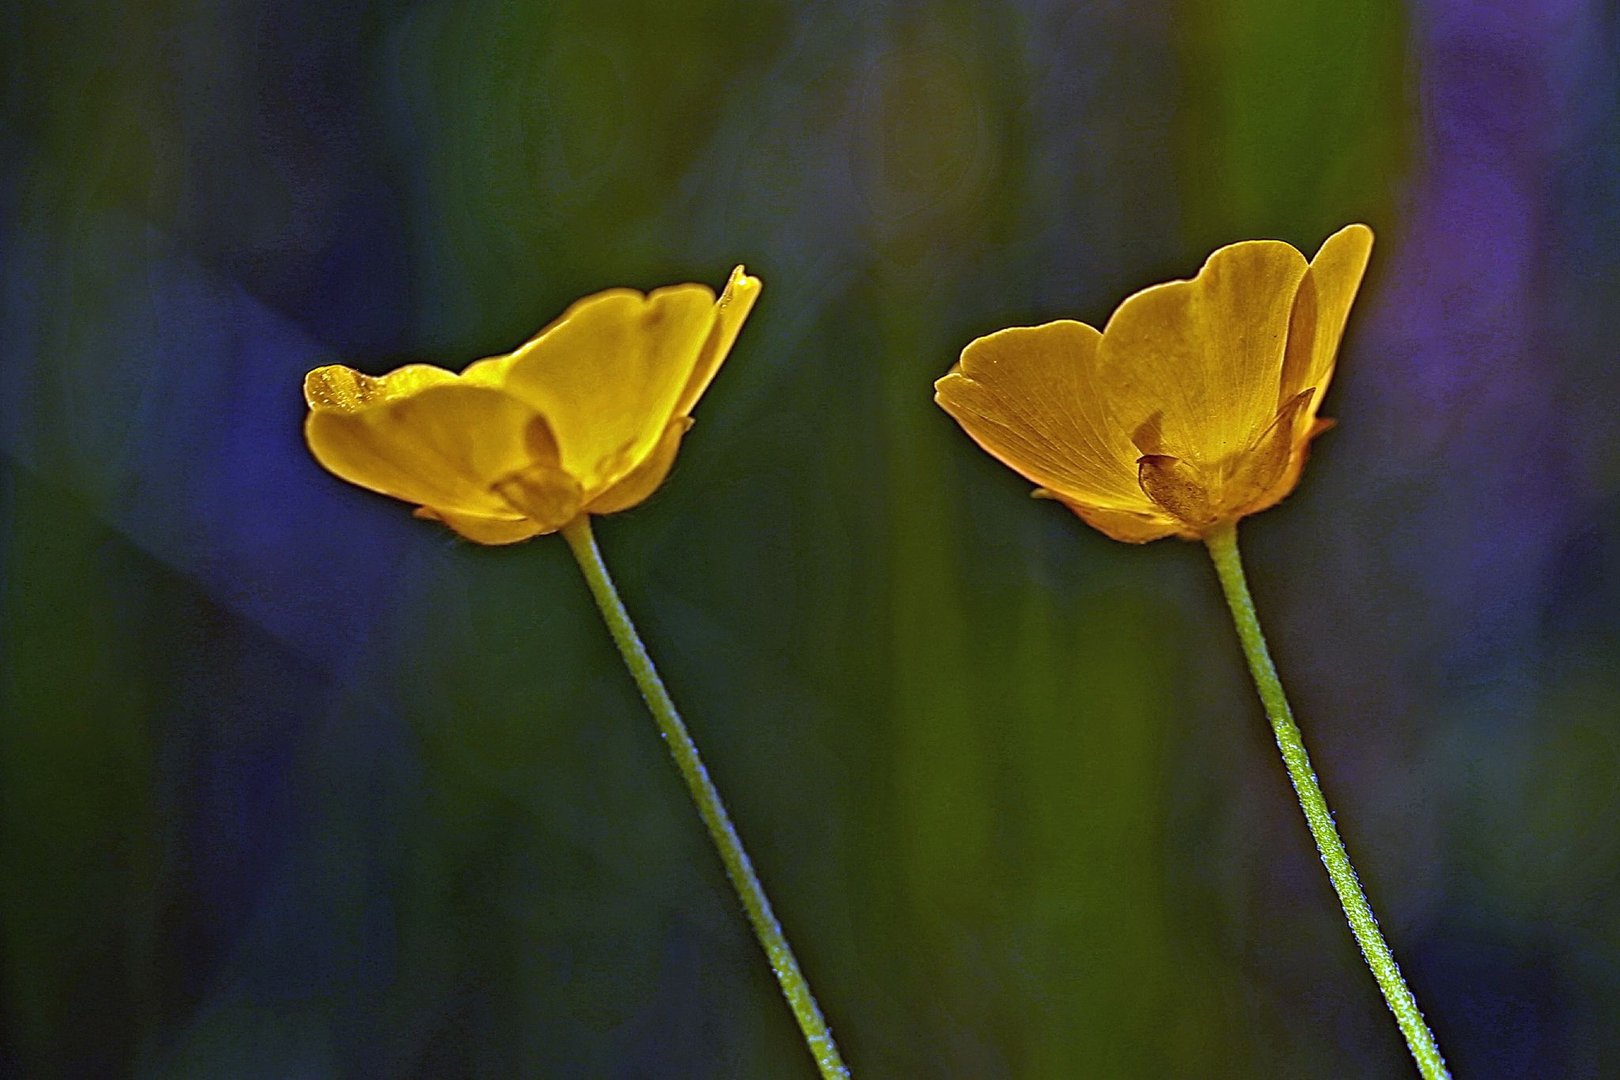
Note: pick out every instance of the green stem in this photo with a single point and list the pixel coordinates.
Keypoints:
(1223, 549)
(817, 1035)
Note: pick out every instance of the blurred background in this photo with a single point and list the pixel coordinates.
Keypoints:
(293, 785)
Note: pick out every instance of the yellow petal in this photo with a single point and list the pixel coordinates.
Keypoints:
(1296, 463)
(608, 375)
(483, 530)
(1200, 361)
(638, 484)
(1132, 528)
(730, 310)
(490, 371)
(1180, 487)
(344, 389)
(1030, 396)
(1258, 474)
(1320, 309)
(543, 493)
(441, 446)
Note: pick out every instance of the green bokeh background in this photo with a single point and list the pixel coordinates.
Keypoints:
(293, 785)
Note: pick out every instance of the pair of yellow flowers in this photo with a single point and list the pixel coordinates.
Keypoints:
(1193, 407)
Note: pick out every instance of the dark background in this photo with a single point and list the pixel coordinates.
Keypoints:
(293, 785)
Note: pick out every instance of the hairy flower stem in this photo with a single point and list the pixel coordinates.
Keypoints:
(817, 1035)
(1223, 549)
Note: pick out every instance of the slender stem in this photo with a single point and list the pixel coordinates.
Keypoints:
(1223, 549)
(817, 1035)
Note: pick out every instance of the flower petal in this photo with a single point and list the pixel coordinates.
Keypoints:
(1305, 433)
(730, 310)
(608, 375)
(343, 389)
(1180, 487)
(639, 483)
(1132, 528)
(1031, 397)
(1260, 476)
(482, 530)
(1320, 309)
(1199, 361)
(543, 493)
(442, 446)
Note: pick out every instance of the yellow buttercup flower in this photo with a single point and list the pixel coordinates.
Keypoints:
(1194, 406)
(583, 419)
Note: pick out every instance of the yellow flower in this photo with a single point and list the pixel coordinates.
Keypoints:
(583, 419)
(1194, 406)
